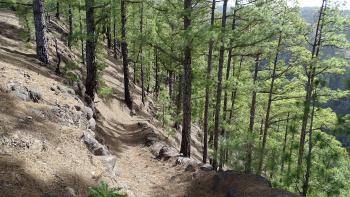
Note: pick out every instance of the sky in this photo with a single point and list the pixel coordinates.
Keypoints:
(304, 3)
(315, 3)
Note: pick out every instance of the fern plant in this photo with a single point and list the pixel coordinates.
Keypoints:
(104, 191)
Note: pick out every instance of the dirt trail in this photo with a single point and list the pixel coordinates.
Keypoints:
(137, 167)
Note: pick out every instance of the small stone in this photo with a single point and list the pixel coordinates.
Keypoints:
(77, 107)
(70, 91)
(35, 95)
(172, 179)
(206, 167)
(190, 168)
(93, 145)
(69, 192)
(92, 124)
(89, 113)
(132, 112)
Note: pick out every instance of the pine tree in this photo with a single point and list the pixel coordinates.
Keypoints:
(187, 86)
(40, 31)
(124, 47)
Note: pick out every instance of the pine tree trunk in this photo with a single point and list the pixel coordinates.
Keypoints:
(115, 32)
(109, 36)
(187, 86)
(207, 88)
(58, 55)
(234, 92)
(141, 52)
(290, 154)
(156, 73)
(40, 31)
(248, 164)
(81, 34)
(219, 89)
(57, 10)
(309, 156)
(70, 22)
(170, 84)
(115, 40)
(309, 86)
(90, 50)
(124, 45)
(261, 129)
(229, 59)
(178, 103)
(268, 109)
(108, 27)
(284, 145)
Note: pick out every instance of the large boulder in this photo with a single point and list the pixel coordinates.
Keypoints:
(93, 145)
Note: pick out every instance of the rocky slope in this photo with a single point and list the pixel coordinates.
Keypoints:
(51, 145)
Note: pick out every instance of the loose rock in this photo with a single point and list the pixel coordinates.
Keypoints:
(206, 167)
(35, 95)
(69, 192)
(94, 146)
(92, 124)
(89, 113)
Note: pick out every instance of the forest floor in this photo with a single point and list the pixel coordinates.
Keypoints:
(42, 122)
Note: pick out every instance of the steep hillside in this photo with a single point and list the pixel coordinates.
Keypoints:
(50, 145)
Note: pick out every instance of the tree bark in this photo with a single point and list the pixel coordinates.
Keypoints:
(124, 45)
(229, 59)
(156, 72)
(219, 88)
(248, 163)
(309, 156)
(115, 32)
(309, 86)
(170, 84)
(109, 36)
(90, 50)
(187, 84)
(115, 39)
(284, 145)
(81, 34)
(70, 22)
(207, 88)
(178, 103)
(141, 52)
(57, 10)
(58, 55)
(290, 154)
(40, 31)
(234, 92)
(268, 109)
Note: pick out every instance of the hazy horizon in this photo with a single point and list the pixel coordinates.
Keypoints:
(303, 3)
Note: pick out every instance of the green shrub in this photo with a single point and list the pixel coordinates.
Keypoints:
(70, 66)
(104, 191)
(71, 77)
(105, 91)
